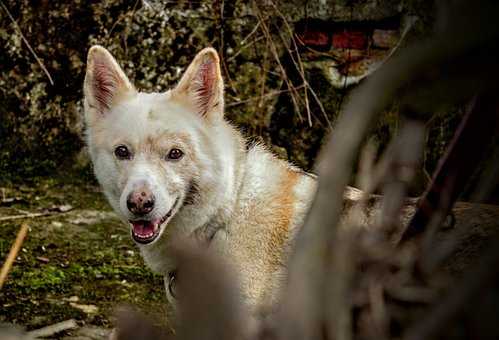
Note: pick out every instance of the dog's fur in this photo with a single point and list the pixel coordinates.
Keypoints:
(243, 201)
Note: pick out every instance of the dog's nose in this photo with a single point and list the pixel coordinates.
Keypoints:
(140, 202)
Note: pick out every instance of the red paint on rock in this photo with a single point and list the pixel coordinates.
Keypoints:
(314, 38)
(350, 39)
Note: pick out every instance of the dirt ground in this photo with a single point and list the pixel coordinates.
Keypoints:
(78, 263)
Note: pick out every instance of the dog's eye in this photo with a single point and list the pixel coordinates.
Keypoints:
(175, 154)
(122, 152)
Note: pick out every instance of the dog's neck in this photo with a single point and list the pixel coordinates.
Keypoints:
(210, 212)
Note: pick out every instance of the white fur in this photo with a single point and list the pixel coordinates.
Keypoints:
(255, 201)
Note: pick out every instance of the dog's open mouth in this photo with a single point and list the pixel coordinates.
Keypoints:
(146, 231)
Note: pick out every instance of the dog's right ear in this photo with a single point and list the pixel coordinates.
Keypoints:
(105, 82)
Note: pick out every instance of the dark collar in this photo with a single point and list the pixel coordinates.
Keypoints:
(171, 283)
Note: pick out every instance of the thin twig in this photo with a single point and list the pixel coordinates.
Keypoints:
(270, 94)
(242, 42)
(263, 78)
(38, 60)
(250, 34)
(301, 70)
(273, 49)
(251, 43)
(30, 215)
(123, 16)
(21, 235)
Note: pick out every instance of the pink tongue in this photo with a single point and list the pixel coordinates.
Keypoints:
(142, 228)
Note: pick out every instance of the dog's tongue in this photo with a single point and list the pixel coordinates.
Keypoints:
(144, 229)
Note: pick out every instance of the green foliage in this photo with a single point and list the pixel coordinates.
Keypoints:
(41, 126)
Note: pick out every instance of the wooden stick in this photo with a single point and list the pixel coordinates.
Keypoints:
(13, 253)
(31, 215)
(17, 217)
(53, 329)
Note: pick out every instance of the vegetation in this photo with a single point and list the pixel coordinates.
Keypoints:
(154, 42)
(81, 264)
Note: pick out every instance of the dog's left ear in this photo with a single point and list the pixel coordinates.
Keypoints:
(202, 85)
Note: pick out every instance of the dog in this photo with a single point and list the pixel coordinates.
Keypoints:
(171, 165)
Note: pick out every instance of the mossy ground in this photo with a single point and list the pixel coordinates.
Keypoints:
(82, 257)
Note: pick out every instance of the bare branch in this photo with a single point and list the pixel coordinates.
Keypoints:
(38, 60)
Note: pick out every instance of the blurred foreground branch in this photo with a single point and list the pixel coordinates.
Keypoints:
(347, 279)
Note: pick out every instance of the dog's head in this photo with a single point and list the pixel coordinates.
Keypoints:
(153, 151)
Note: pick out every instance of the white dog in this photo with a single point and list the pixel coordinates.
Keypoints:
(171, 165)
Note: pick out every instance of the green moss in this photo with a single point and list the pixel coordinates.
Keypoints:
(46, 278)
(95, 262)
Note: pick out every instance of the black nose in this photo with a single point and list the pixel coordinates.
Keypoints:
(140, 202)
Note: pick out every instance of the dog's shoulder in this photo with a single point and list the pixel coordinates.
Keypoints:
(275, 195)
(272, 202)
(267, 174)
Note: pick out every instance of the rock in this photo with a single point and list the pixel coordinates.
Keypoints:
(73, 298)
(89, 333)
(340, 10)
(87, 309)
